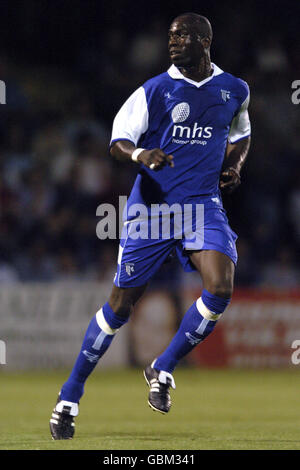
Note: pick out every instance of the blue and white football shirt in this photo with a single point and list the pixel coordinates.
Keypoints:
(193, 121)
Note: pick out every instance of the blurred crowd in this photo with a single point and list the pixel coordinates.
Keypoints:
(55, 169)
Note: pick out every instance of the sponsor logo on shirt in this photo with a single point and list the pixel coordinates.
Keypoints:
(180, 113)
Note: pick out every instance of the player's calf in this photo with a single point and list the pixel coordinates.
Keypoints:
(198, 322)
(99, 335)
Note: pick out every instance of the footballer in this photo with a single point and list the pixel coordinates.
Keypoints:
(188, 129)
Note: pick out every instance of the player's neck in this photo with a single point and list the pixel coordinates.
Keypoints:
(198, 72)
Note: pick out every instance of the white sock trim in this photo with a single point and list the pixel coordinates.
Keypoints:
(205, 312)
(163, 375)
(74, 407)
(103, 323)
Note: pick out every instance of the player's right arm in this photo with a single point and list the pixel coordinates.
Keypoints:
(129, 125)
(237, 147)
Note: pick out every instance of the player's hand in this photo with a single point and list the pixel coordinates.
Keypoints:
(155, 159)
(229, 180)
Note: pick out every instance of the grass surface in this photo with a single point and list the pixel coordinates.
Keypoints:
(212, 409)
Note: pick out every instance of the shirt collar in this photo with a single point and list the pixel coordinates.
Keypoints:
(175, 73)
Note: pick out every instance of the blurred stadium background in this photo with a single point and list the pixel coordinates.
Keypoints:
(68, 67)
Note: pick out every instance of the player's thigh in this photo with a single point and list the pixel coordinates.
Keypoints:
(122, 299)
(216, 270)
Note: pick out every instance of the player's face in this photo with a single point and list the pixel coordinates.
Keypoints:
(185, 45)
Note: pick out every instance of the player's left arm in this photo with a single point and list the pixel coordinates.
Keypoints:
(237, 149)
(235, 158)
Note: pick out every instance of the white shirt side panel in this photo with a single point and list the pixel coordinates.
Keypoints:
(240, 126)
(132, 119)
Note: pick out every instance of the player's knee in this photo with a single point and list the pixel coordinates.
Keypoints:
(215, 303)
(121, 307)
(221, 289)
(121, 304)
(122, 300)
(123, 310)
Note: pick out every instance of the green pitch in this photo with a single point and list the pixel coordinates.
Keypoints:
(212, 409)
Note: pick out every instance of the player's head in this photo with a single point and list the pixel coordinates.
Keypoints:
(190, 37)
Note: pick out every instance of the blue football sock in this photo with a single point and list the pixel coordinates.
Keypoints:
(198, 322)
(98, 338)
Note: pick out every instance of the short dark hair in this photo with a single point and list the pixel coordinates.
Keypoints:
(202, 23)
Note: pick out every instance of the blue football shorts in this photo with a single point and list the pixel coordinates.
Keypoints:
(150, 235)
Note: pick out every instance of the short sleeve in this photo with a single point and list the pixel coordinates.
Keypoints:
(240, 126)
(131, 122)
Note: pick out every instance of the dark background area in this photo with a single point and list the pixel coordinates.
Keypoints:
(69, 66)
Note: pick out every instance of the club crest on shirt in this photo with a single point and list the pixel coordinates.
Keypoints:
(225, 95)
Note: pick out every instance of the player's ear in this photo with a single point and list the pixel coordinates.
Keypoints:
(206, 42)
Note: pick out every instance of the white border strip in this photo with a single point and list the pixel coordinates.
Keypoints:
(102, 323)
(205, 312)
